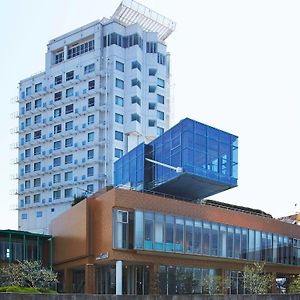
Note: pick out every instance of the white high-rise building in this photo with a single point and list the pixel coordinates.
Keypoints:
(105, 89)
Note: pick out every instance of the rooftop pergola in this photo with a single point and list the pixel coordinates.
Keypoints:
(131, 12)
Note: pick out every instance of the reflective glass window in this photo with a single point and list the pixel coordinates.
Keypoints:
(148, 230)
(189, 232)
(179, 224)
(206, 238)
(169, 233)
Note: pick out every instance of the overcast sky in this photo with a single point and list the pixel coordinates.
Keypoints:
(235, 66)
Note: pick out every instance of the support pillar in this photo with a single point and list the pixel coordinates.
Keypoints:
(119, 283)
(68, 281)
(89, 279)
(153, 279)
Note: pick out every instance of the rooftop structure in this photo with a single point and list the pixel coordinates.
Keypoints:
(191, 160)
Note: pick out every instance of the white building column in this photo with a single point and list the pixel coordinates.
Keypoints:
(65, 52)
(119, 284)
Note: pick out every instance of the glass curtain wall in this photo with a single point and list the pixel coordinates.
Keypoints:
(160, 232)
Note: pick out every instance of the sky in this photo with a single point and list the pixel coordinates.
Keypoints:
(235, 65)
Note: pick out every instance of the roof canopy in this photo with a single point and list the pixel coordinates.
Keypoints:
(131, 12)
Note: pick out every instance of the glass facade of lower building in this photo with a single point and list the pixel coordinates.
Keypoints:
(207, 156)
(153, 231)
(22, 245)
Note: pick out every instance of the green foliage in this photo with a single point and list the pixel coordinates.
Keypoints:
(78, 199)
(294, 286)
(256, 280)
(27, 274)
(25, 290)
(214, 284)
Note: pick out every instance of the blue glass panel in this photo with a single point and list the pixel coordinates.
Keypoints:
(213, 133)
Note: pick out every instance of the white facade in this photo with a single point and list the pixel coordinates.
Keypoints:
(105, 89)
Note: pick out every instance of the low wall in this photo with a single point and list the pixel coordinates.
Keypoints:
(12, 296)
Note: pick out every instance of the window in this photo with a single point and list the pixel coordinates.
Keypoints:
(69, 125)
(37, 150)
(28, 91)
(161, 59)
(90, 136)
(27, 137)
(37, 119)
(68, 142)
(69, 92)
(37, 198)
(57, 128)
(151, 123)
(38, 103)
(38, 87)
(90, 171)
(28, 106)
(90, 188)
(80, 49)
(135, 117)
(57, 96)
(37, 182)
(57, 145)
(119, 66)
(151, 47)
(91, 85)
(69, 193)
(37, 166)
(69, 176)
(90, 154)
(69, 109)
(68, 159)
(91, 119)
(27, 199)
(152, 106)
(91, 102)
(89, 68)
(58, 79)
(160, 115)
(27, 184)
(160, 130)
(27, 122)
(121, 229)
(119, 83)
(37, 134)
(57, 112)
(152, 72)
(119, 101)
(136, 65)
(52, 209)
(160, 82)
(59, 56)
(69, 75)
(27, 153)
(56, 194)
(56, 162)
(152, 89)
(119, 135)
(27, 168)
(118, 153)
(56, 178)
(160, 99)
(119, 118)
(136, 99)
(136, 82)
(24, 216)
(39, 214)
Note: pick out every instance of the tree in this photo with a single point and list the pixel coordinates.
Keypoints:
(256, 280)
(27, 274)
(214, 284)
(294, 286)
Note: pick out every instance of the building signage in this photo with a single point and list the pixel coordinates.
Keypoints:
(102, 255)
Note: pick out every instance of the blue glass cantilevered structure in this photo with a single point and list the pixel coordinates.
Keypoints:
(191, 161)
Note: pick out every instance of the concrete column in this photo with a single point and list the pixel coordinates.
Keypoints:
(68, 280)
(65, 52)
(90, 279)
(119, 286)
